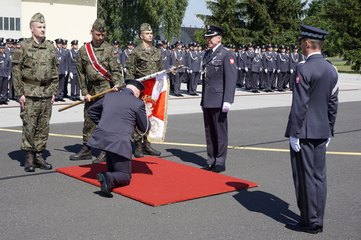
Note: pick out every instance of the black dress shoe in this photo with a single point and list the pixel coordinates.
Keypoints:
(218, 169)
(209, 167)
(313, 229)
(104, 184)
(180, 95)
(29, 168)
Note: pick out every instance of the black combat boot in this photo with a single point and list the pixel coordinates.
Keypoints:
(147, 149)
(29, 162)
(40, 162)
(100, 158)
(85, 153)
(138, 152)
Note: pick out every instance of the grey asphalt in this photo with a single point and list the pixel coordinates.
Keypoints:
(49, 205)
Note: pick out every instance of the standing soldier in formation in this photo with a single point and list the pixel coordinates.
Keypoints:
(144, 60)
(9, 50)
(166, 55)
(294, 60)
(256, 68)
(36, 83)
(66, 55)
(61, 55)
(194, 67)
(268, 66)
(241, 66)
(125, 55)
(282, 68)
(219, 85)
(98, 71)
(248, 65)
(117, 51)
(178, 58)
(4, 74)
(73, 73)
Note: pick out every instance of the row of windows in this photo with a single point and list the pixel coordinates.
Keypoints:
(9, 23)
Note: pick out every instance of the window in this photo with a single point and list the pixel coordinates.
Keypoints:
(12, 24)
(6, 23)
(17, 24)
(1, 23)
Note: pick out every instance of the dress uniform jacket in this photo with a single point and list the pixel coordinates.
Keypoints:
(116, 115)
(166, 58)
(179, 58)
(220, 78)
(313, 111)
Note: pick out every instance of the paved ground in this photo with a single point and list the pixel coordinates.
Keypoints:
(49, 205)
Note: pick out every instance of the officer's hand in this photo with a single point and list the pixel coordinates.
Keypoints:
(274, 70)
(9, 77)
(52, 99)
(328, 142)
(71, 75)
(22, 101)
(266, 70)
(278, 71)
(226, 107)
(66, 72)
(295, 144)
(246, 69)
(125, 70)
(116, 88)
(87, 98)
(291, 70)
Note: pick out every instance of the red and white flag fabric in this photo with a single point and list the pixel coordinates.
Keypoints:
(156, 101)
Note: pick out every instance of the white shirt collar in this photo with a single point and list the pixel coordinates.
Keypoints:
(314, 53)
(215, 48)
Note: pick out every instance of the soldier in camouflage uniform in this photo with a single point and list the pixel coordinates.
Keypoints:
(145, 59)
(92, 82)
(36, 82)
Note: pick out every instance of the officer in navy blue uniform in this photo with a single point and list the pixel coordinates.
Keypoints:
(114, 136)
(61, 55)
(283, 66)
(256, 68)
(178, 58)
(73, 73)
(166, 55)
(125, 55)
(310, 127)
(219, 85)
(248, 66)
(294, 60)
(268, 68)
(194, 67)
(4, 74)
(241, 65)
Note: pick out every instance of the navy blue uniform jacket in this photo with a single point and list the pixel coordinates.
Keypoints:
(315, 100)
(116, 114)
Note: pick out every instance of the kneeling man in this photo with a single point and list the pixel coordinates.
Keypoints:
(116, 115)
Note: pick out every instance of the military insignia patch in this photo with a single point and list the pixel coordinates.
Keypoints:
(298, 79)
(231, 61)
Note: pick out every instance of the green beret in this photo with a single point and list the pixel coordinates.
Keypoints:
(99, 25)
(145, 27)
(38, 17)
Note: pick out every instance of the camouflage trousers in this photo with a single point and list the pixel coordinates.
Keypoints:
(36, 116)
(89, 125)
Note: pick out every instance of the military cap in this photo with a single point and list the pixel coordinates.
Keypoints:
(37, 17)
(263, 47)
(64, 41)
(275, 46)
(20, 40)
(99, 25)
(135, 83)
(115, 42)
(269, 45)
(2, 45)
(145, 27)
(212, 30)
(58, 41)
(312, 32)
(74, 42)
(10, 40)
(130, 43)
(178, 43)
(282, 47)
(294, 47)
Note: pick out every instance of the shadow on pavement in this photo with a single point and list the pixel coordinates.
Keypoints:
(188, 156)
(19, 155)
(267, 204)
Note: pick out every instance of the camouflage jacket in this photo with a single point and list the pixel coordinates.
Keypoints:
(90, 80)
(35, 71)
(142, 62)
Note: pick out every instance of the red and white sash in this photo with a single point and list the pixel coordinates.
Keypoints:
(94, 61)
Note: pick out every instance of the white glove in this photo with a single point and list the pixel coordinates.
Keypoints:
(226, 107)
(124, 70)
(266, 70)
(274, 70)
(278, 71)
(328, 142)
(9, 77)
(66, 72)
(246, 69)
(291, 70)
(71, 75)
(295, 144)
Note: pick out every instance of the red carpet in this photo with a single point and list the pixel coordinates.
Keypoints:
(158, 182)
